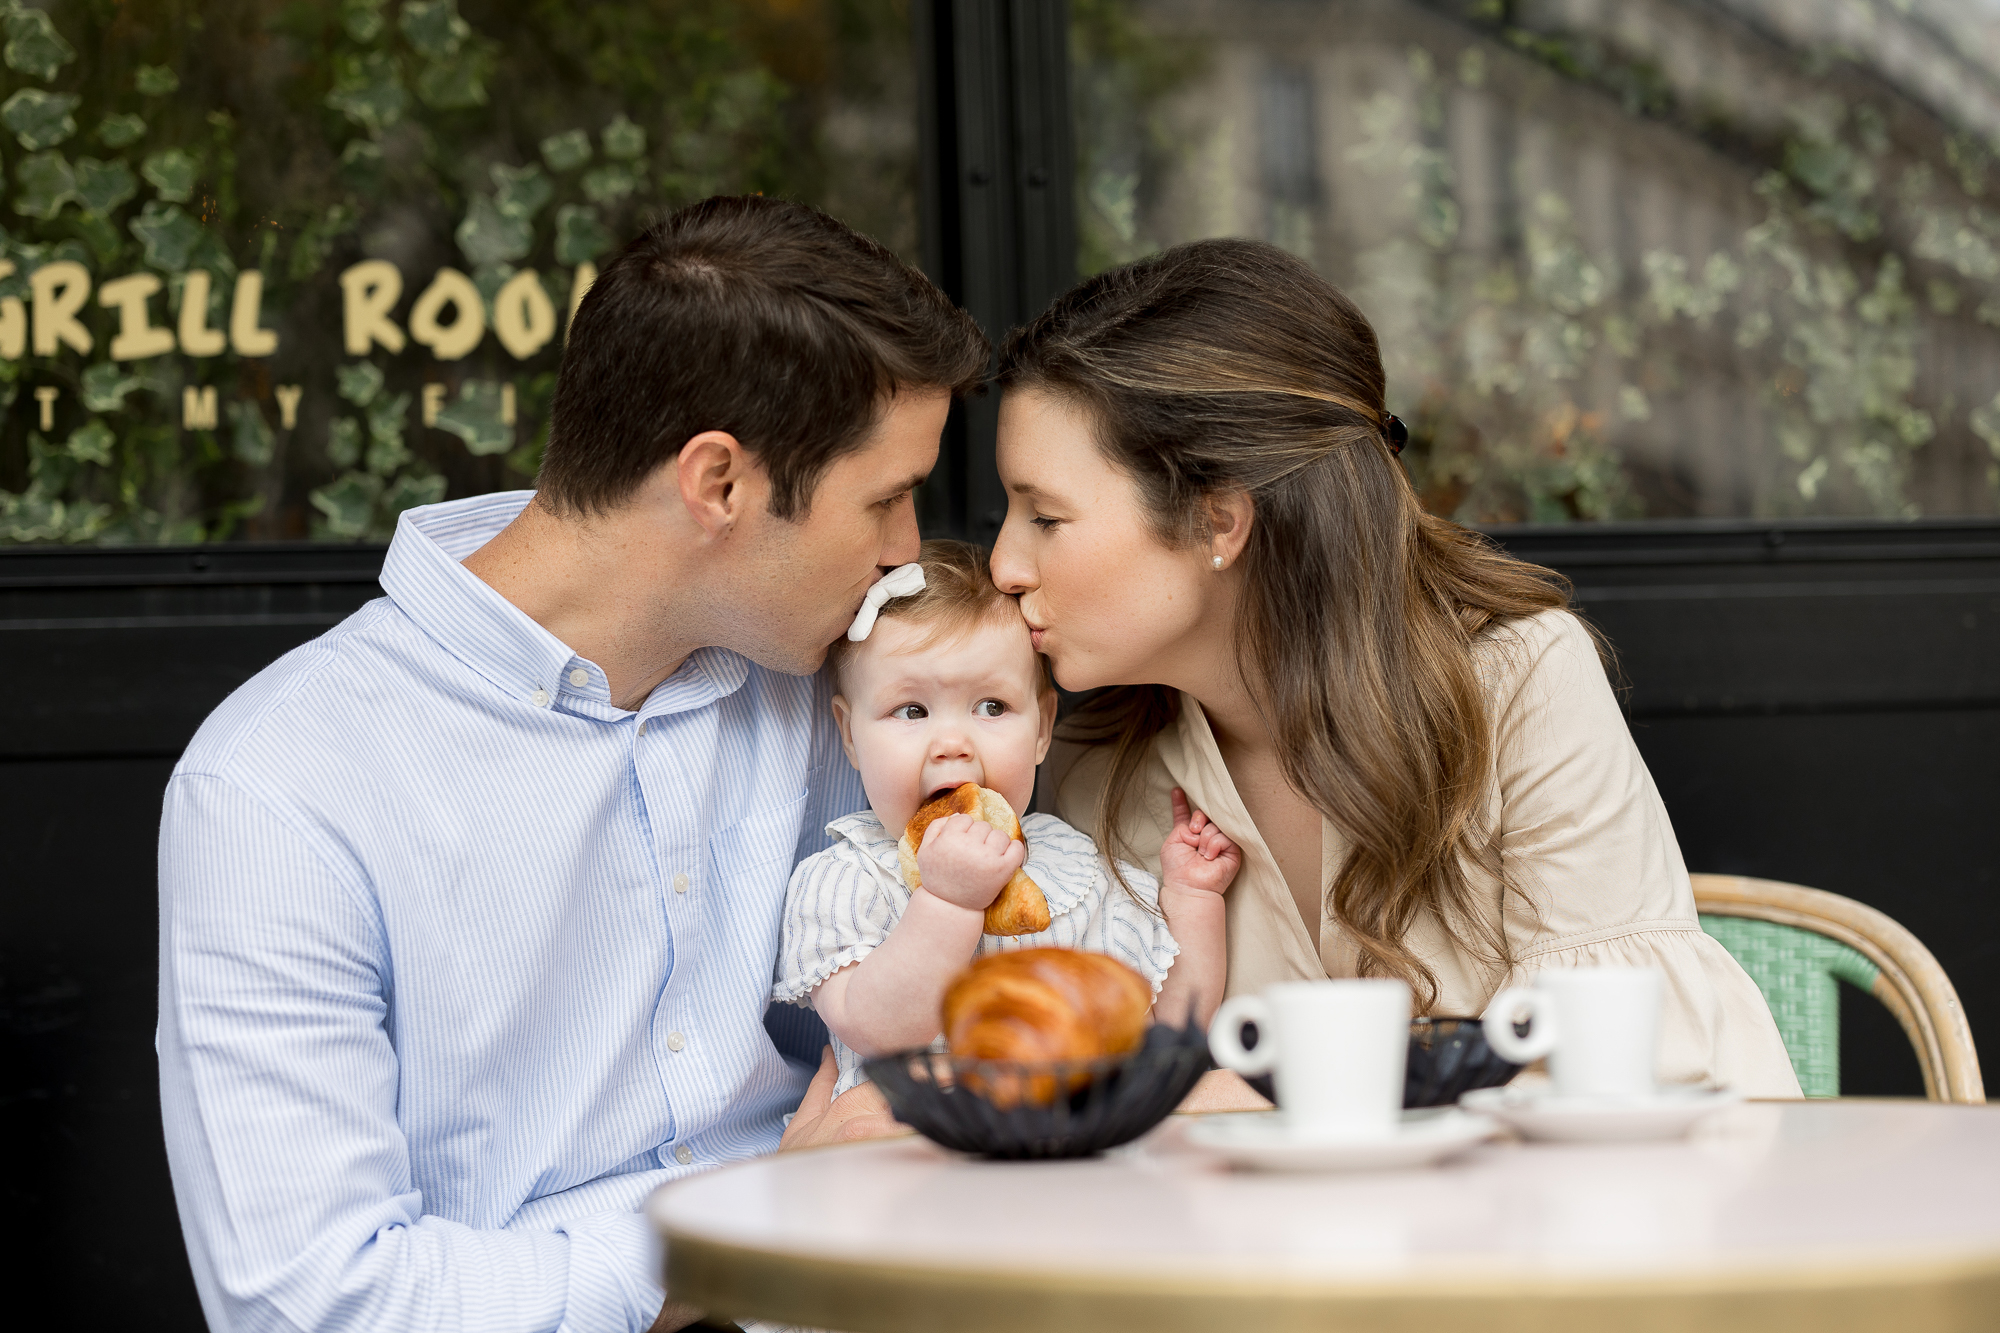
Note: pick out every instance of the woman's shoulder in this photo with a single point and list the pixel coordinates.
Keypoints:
(1552, 650)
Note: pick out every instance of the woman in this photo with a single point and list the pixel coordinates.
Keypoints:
(1407, 731)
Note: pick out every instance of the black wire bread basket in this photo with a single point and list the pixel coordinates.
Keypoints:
(1013, 1111)
(1448, 1058)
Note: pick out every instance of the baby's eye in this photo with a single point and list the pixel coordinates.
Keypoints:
(989, 708)
(910, 713)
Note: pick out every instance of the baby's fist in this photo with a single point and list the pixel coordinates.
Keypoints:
(967, 861)
(1197, 855)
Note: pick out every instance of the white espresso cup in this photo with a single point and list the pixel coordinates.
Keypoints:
(1599, 1027)
(1336, 1050)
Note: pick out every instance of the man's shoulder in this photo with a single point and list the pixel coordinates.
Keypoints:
(303, 690)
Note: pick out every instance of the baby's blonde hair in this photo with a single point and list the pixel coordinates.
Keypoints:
(958, 593)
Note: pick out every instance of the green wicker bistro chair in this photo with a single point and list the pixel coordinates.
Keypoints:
(1794, 942)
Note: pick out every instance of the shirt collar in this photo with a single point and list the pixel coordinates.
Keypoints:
(424, 575)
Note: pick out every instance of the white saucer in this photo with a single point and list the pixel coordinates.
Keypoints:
(1543, 1114)
(1262, 1141)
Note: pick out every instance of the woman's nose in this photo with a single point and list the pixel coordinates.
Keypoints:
(1013, 573)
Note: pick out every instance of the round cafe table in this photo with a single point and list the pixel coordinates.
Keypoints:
(1821, 1216)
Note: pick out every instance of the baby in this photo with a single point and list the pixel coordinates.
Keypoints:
(946, 688)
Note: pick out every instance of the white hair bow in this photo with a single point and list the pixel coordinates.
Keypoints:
(898, 582)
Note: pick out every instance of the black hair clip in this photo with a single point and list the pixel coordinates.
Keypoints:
(1398, 433)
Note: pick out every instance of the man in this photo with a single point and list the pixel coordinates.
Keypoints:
(468, 908)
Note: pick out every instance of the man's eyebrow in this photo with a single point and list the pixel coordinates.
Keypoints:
(916, 479)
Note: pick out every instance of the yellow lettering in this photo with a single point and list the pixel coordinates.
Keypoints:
(13, 320)
(586, 274)
(137, 336)
(524, 319)
(433, 403)
(245, 335)
(46, 396)
(506, 404)
(60, 289)
(449, 342)
(288, 404)
(197, 339)
(198, 407)
(369, 291)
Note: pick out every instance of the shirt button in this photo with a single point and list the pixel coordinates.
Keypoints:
(540, 698)
(579, 677)
(642, 726)
(675, 1041)
(680, 883)
(683, 1154)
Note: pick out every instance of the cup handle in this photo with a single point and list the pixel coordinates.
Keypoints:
(1225, 1036)
(1506, 1010)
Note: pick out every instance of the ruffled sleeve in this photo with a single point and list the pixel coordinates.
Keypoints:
(1595, 871)
(839, 908)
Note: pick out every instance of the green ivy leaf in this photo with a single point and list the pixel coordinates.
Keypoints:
(155, 80)
(609, 183)
(362, 19)
(171, 171)
(361, 165)
(566, 151)
(409, 492)
(343, 442)
(458, 82)
(580, 237)
(386, 451)
(169, 235)
(91, 442)
(250, 436)
(39, 119)
(434, 27)
(359, 382)
(316, 239)
(34, 46)
(349, 504)
(47, 183)
(623, 139)
(489, 236)
(118, 131)
(520, 192)
(475, 418)
(367, 91)
(102, 186)
(105, 386)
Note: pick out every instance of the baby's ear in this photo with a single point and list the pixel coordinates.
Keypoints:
(843, 718)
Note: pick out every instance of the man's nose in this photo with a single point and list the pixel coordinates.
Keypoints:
(901, 544)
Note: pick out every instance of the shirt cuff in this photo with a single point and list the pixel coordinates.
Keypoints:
(613, 1283)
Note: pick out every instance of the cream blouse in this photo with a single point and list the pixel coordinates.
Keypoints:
(1584, 842)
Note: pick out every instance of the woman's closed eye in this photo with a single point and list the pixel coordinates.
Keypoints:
(990, 708)
(1044, 522)
(909, 712)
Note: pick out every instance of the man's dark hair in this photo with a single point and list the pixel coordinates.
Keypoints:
(760, 317)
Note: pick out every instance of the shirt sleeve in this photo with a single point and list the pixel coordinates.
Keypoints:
(278, 1084)
(837, 911)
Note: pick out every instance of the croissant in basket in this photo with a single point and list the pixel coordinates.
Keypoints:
(1020, 909)
(1039, 1006)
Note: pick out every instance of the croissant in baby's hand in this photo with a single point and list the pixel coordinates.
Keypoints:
(1043, 1005)
(1020, 909)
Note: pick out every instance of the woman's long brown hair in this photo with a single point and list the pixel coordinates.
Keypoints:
(1229, 365)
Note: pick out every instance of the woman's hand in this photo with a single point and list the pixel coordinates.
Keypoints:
(1197, 855)
(966, 861)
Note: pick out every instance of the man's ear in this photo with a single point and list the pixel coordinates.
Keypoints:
(718, 481)
(1230, 514)
(1047, 731)
(843, 717)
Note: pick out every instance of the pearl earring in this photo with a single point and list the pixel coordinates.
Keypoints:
(1216, 561)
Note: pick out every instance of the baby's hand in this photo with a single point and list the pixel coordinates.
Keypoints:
(1197, 854)
(967, 861)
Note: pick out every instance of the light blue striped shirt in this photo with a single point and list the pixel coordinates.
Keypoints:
(458, 961)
